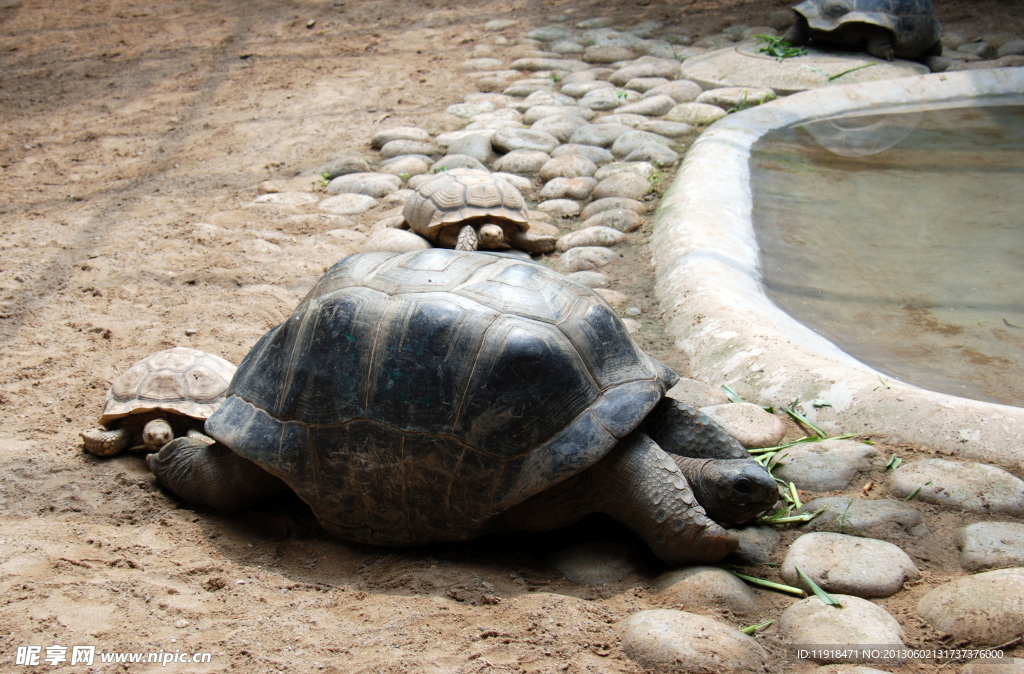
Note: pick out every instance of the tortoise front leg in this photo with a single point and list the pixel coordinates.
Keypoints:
(880, 46)
(467, 239)
(101, 442)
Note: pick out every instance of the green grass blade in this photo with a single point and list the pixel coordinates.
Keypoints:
(847, 72)
(894, 462)
(912, 495)
(825, 597)
(795, 496)
(778, 587)
(754, 629)
(731, 394)
(795, 413)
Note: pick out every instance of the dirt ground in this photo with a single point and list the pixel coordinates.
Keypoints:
(134, 137)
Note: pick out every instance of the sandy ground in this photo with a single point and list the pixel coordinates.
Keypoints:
(134, 135)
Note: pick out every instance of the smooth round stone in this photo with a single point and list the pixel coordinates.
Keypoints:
(863, 567)
(374, 185)
(393, 241)
(706, 587)
(589, 75)
(673, 642)
(1011, 48)
(397, 198)
(550, 33)
(522, 184)
(616, 203)
(509, 140)
(568, 166)
(497, 25)
(598, 135)
(596, 563)
(985, 609)
(982, 49)
(750, 424)
(680, 91)
(597, 155)
(405, 166)
(619, 219)
(559, 208)
(885, 519)
(395, 148)
(287, 199)
(523, 88)
(608, 54)
(739, 98)
(612, 297)
(630, 120)
(482, 63)
(591, 236)
(809, 623)
(347, 204)
(454, 161)
(475, 145)
(567, 47)
(695, 113)
(991, 545)
(756, 544)
(522, 161)
(642, 169)
(653, 106)
(645, 84)
(535, 63)
(446, 139)
(827, 465)
(495, 80)
(416, 182)
(580, 89)
(539, 112)
(591, 279)
(560, 126)
(646, 67)
(546, 97)
(667, 129)
(695, 392)
(604, 99)
(343, 165)
(655, 153)
(626, 184)
(596, 22)
(498, 119)
(961, 485)
(568, 188)
(781, 19)
(385, 136)
(585, 258)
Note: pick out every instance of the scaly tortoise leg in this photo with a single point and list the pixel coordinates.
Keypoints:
(101, 442)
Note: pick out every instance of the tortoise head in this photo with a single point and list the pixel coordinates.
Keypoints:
(732, 491)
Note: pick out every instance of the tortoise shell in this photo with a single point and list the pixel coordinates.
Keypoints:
(413, 397)
(181, 380)
(455, 197)
(911, 22)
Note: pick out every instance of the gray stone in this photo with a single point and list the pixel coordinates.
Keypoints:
(446, 139)
(568, 166)
(863, 567)
(397, 198)
(591, 236)
(580, 89)
(374, 185)
(646, 67)
(480, 64)
(347, 204)
(696, 393)
(523, 88)
(668, 129)
(781, 19)
(393, 241)
(539, 112)
(681, 91)
(596, 563)
(974, 487)
(546, 97)
(395, 148)
(642, 169)
(385, 136)
(506, 118)
(991, 545)
(645, 84)
(475, 145)
(981, 49)
(578, 189)
(629, 119)
(589, 75)
(591, 279)
(605, 99)
(695, 113)
(566, 47)
(750, 424)
(651, 106)
(522, 161)
(827, 465)
(1012, 48)
(620, 219)
(405, 165)
(596, 22)
(524, 185)
(756, 544)
(810, 622)
(550, 33)
(624, 184)
(613, 203)
(599, 135)
(585, 258)
(679, 642)
(607, 54)
(560, 126)
(885, 519)
(509, 140)
(496, 25)
(985, 609)
(598, 155)
(497, 80)
(655, 153)
(343, 165)
(559, 208)
(705, 587)
(286, 200)
(738, 98)
(539, 63)
(453, 161)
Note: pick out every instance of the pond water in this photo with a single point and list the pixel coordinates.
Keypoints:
(899, 236)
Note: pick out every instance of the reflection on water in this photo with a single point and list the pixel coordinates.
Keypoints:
(907, 253)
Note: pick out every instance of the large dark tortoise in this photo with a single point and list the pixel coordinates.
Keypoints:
(439, 395)
(885, 29)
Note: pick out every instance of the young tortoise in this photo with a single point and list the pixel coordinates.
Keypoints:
(468, 209)
(886, 29)
(439, 395)
(166, 395)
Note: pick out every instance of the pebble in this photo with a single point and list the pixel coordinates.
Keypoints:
(600, 135)
(591, 279)
(560, 126)
(667, 129)
(559, 208)
(578, 189)
(653, 106)
(981, 49)
(539, 112)
(286, 199)
(1011, 48)
(343, 165)
(810, 622)
(985, 609)
(680, 91)
(642, 169)
(707, 587)
(496, 25)
(550, 33)
(567, 47)
(590, 236)
(604, 99)
(625, 184)
(885, 519)
(580, 89)
(863, 567)
(393, 241)
(613, 203)
(607, 54)
(619, 219)
(991, 545)
(385, 136)
(374, 185)
(676, 641)
(519, 182)
(750, 424)
(406, 165)
(756, 544)
(585, 258)
(739, 98)
(536, 63)
(347, 204)
(522, 161)
(474, 144)
(695, 113)
(481, 63)
(396, 148)
(631, 140)
(625, 119)
(827, 465)
(645, 84)
(596, 563)
(656, 154)
(457, 161)
(646, 67)
(962, 485)
(568, 166)
(509, 140)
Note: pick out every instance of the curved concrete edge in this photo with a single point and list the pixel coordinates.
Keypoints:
(708, 283)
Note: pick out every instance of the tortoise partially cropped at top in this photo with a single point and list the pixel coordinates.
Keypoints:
(167, 394)
(439, 395)
(468, 209)
(885, 29)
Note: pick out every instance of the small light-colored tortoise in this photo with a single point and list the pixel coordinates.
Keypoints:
(468, 209)
(167, 395)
